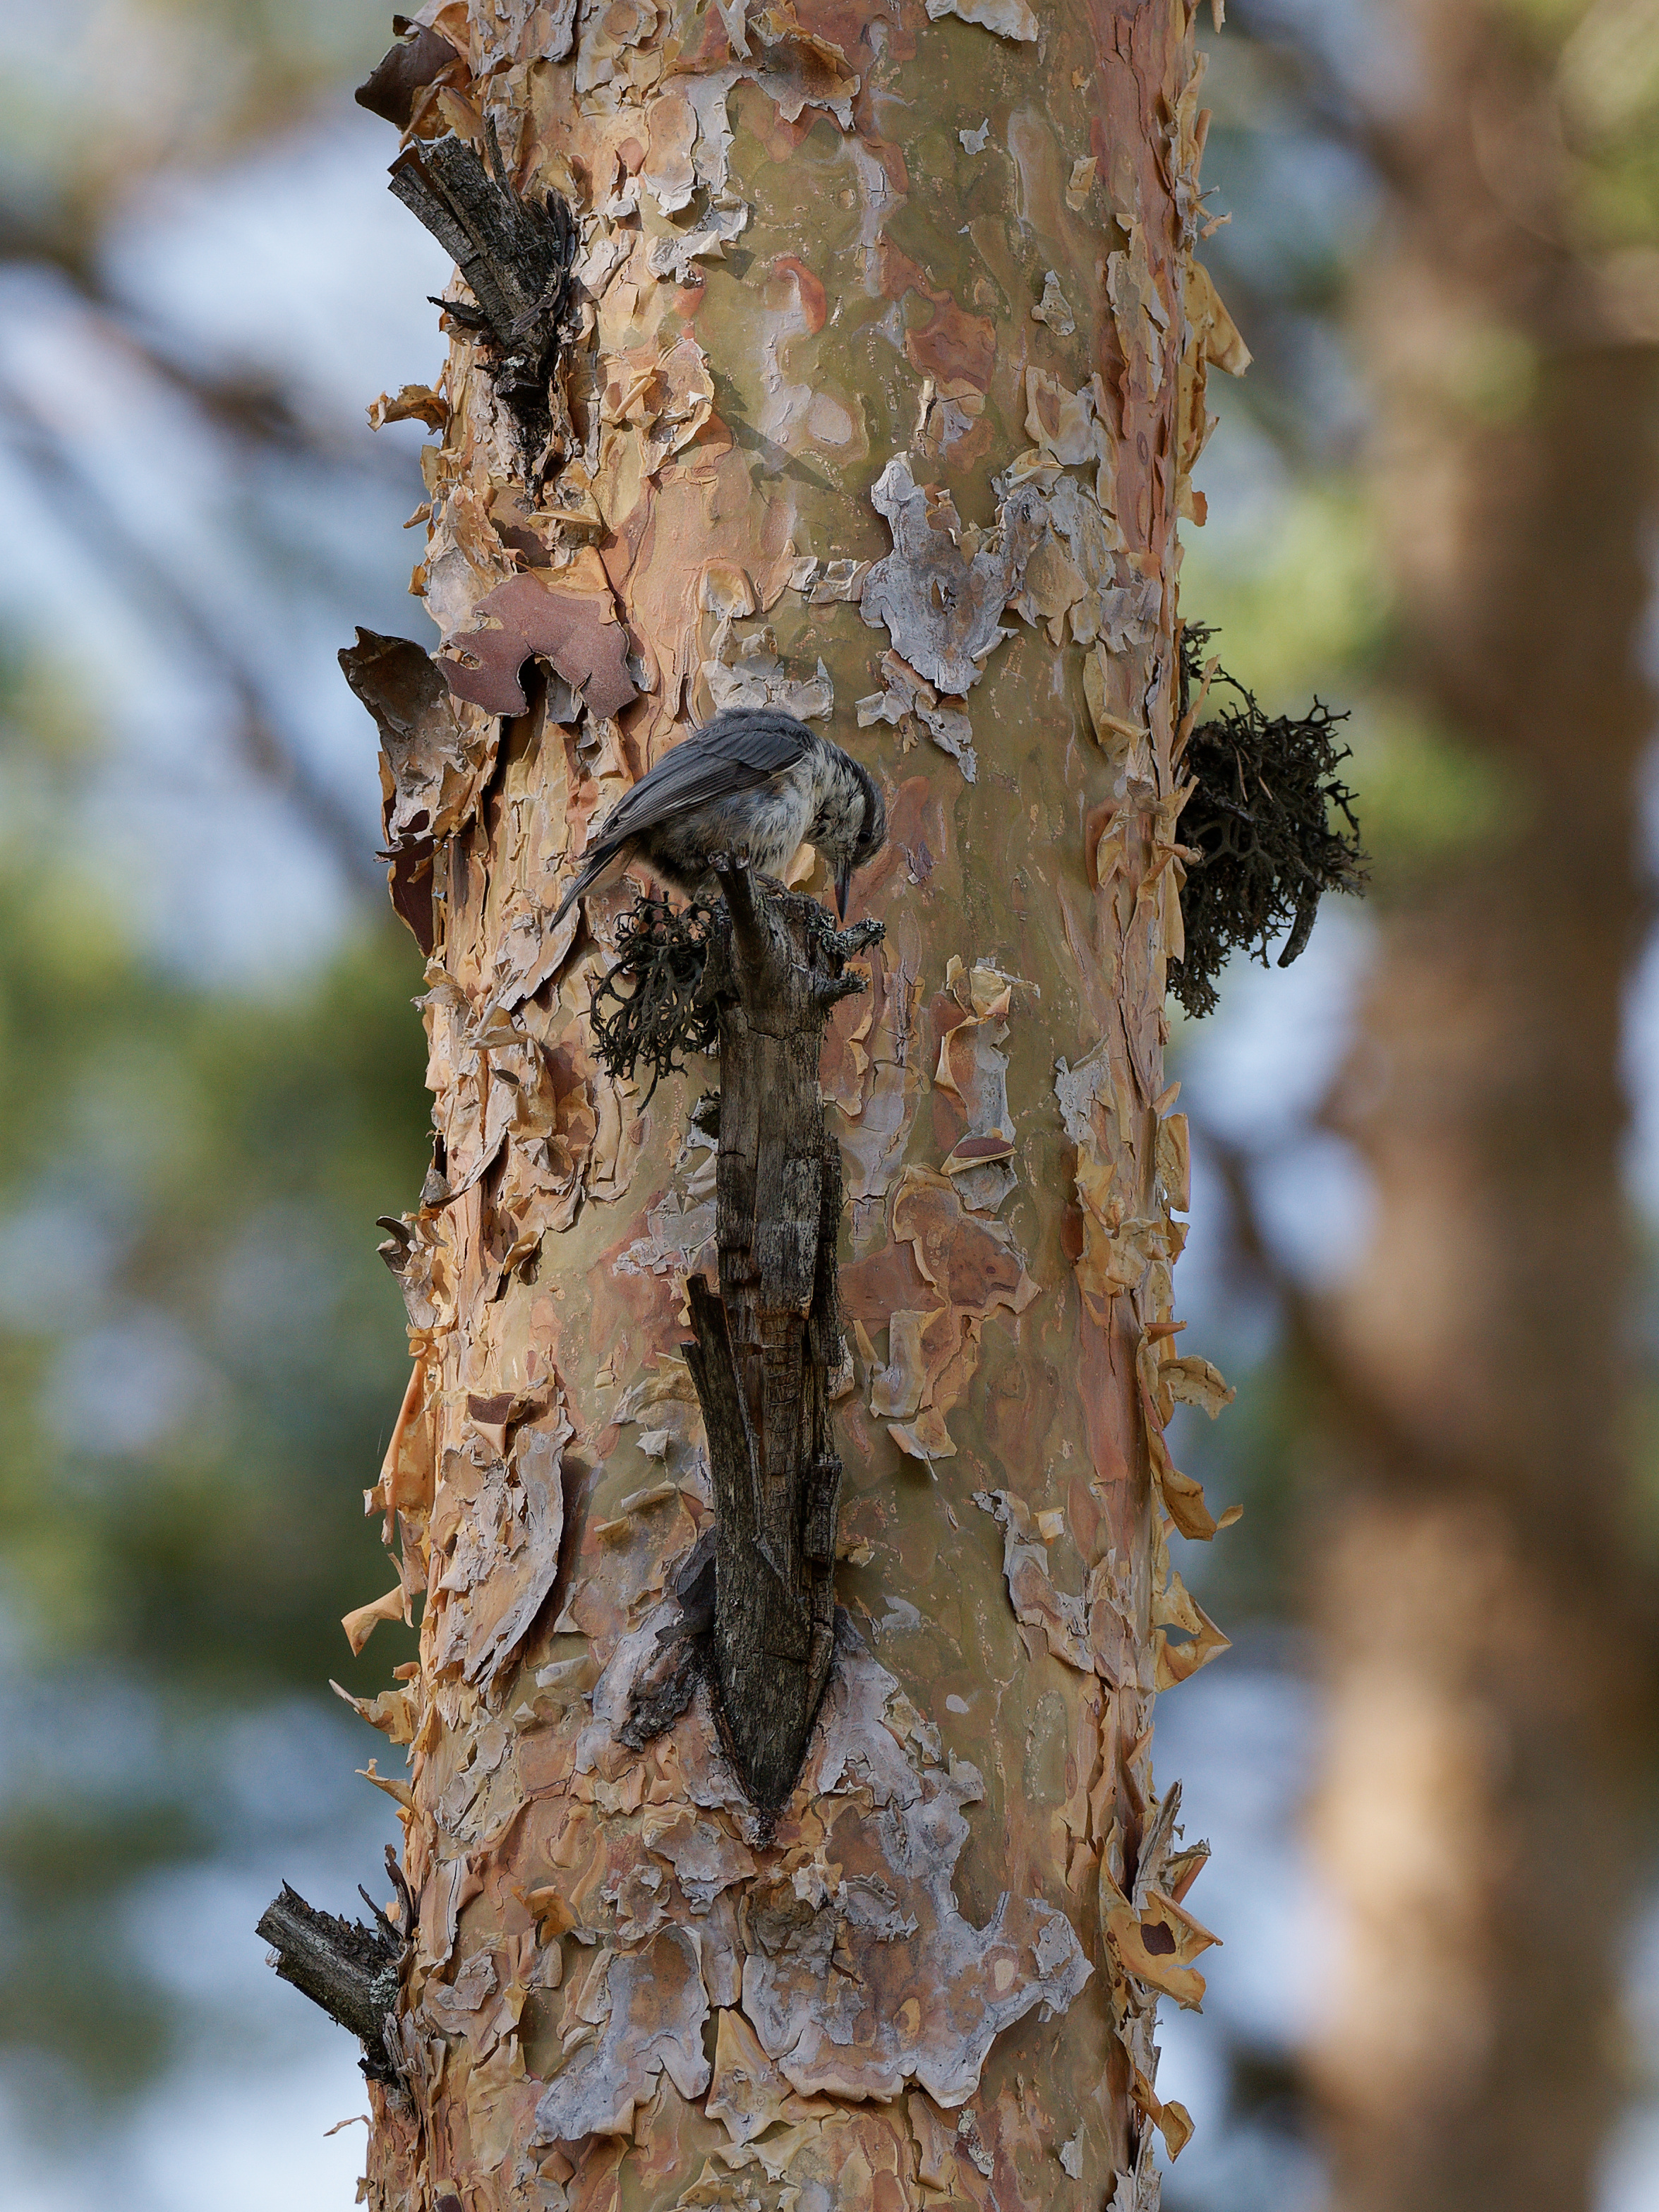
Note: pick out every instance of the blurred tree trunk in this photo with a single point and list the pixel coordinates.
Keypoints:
(1477, 1592)
(830, 253)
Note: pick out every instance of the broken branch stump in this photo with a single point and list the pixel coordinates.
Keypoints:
(768, 1344)
(352, 1970)
(515, 255)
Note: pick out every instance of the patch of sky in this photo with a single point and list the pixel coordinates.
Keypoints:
(145, 530)
(121, 1389)
(1254, 1075)
(1243, 1737)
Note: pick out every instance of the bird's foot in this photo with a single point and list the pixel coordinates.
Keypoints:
(832, 989)
(845, 943)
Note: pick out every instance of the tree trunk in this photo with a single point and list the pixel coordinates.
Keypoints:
(882, 377)
(1477, 1593)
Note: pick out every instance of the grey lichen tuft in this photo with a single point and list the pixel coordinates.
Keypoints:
(1259, 827)
(649, 1008)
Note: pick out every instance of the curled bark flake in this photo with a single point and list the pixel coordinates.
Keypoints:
(606, 40)
(973, 1021)
(1054, 308)
(544, 1093)
(1174, 1606)
(1009, 19)
(748, 2093)
(420, 59)
(1139, 310)
(501, 1528)
(1153, 1934)
(706, 1859)
(798, 69)
(749, 672)
(1212, 326)
(941, 606)
(362, 1620)
(1032, 1591)
(576, 628)
(412, 403)
(1062, 424)
(432, 767)
(910, 696)
(933, 1289)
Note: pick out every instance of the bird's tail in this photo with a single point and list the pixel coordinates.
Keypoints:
(584, 881)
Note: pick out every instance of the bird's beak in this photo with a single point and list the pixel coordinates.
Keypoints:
(843, 884)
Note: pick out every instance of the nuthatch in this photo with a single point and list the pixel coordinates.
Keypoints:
(753, 784)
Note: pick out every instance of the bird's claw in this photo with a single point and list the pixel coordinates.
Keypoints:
(845, 943)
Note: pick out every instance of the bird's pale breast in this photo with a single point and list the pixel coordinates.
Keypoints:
(764, 825)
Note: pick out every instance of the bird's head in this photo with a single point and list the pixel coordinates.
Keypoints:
(850, 826)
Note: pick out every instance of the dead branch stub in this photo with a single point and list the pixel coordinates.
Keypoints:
(768, 1342)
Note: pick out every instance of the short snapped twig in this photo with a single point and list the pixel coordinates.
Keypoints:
(354, 1971)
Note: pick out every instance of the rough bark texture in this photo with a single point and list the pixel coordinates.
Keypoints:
(1487, 1659)
(514, 256)
(887, 376)
(346, 1967)
(766, 1350)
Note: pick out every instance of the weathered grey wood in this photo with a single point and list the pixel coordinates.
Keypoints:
(515, 255)
(766, 1346)
(667, 1682)
(350, 1969)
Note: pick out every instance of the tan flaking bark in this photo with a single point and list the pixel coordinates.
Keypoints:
(890, 376)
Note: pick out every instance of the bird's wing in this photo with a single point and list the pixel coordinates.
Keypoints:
(733, 753)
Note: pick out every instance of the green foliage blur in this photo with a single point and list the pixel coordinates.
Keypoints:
(201, 1357)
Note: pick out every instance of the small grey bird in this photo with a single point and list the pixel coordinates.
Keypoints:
(755, 783)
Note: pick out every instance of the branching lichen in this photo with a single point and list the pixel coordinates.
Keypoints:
(1258, 826)
(649, 1007)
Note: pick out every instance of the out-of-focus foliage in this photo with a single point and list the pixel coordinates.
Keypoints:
(95, 95)
(200, 1354)
(198, 1327)
(200, 1357)
(1608, 119)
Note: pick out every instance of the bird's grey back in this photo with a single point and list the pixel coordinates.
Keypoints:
(735, 751)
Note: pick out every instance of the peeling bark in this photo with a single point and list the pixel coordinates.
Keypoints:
(807, 443)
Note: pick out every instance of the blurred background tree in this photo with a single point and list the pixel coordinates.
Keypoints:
(1468, 1536)
(1444, 253)
(1482, 1577)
